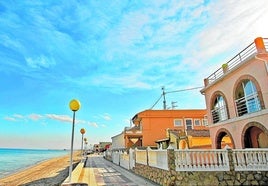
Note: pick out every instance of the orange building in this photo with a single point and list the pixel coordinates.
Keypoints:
(151, 125)
(237, 101)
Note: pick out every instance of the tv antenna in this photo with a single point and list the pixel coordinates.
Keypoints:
(174, 91)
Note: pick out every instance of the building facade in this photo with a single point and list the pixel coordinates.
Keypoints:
(151, 125)
(237, 99)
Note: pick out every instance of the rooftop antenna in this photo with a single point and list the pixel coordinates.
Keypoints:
(173, 105)
(164, 95)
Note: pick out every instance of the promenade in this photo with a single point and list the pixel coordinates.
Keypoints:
(98, 171)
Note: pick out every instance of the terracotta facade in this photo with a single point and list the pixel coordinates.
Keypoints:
(237, 101)
(153, 124)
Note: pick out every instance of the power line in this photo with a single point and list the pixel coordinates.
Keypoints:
(156, 102)
(164, 93)
(183, 90)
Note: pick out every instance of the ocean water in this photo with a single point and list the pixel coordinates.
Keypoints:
(13, 160)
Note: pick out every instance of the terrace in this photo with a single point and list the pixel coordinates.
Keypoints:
(247, 53)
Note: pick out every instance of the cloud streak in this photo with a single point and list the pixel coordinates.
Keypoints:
(60, 118)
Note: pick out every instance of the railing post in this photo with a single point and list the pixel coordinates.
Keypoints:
(148, 155)
(171, 158)
(230, 158)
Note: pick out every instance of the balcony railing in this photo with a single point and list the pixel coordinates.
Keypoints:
(219, 114)
(241, 57)
(248, 104)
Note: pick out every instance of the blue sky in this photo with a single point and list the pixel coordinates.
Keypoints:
(113, 56)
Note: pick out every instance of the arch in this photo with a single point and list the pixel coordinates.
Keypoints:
(220, 135)
(218, 107)
(254, 135)
(183, 144)
(239, 102)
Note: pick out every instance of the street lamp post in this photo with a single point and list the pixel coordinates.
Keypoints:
(74, 106)
(85, 141)
(82, 131)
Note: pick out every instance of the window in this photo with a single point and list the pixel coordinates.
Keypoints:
(219, 110)
(246, 98)
(197, 122)
(178, 122)
(189, 124)
(205, 122)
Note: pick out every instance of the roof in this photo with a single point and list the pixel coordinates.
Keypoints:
(170, 113)
(198, 133)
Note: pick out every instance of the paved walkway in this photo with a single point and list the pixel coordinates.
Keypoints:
(98, 171)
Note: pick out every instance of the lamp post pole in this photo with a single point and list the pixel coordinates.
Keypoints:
(74, 106)
(82, 131)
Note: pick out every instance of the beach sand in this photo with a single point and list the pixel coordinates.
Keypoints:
(50, 172)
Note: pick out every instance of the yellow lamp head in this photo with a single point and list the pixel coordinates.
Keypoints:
(74, 105)
(82, 131)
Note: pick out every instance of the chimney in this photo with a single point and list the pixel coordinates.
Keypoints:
(260, 45)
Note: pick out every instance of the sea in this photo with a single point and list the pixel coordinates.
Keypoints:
(13, 160)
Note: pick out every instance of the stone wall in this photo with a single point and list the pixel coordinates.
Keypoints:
(173, 177)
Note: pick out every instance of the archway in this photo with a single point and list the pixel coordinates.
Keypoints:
(183, 144)
(223, 138)
(255, 135)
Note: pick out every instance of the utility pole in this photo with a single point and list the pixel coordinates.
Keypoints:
(164, 95)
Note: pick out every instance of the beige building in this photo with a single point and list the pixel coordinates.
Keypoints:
(118, 141)
(181, 139)
(237, 99)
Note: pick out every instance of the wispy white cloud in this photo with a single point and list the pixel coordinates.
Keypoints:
(107, 117)
(61, 118)
(18, 116)
(35, 117)
(10, 118)
(93, 124)
(40, 61)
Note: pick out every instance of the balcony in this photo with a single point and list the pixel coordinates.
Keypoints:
(246, 54)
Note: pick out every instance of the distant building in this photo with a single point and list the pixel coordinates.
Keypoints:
(150, 126)
(237, 99)
(102, 146)
(118, 142)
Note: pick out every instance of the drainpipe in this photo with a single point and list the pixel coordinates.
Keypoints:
(261, 50)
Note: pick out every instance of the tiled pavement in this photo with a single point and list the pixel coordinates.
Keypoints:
(97, 171)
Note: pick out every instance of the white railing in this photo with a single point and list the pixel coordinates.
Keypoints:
(250, 159)
(158, 158)
(202, 160)
(196, 159)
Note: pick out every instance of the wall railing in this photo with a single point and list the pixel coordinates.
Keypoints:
(200, 160)
(194, 159)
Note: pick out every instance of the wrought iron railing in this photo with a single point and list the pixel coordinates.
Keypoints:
(248, 104)
(219, 114)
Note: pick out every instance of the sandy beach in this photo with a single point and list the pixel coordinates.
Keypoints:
(50, 172)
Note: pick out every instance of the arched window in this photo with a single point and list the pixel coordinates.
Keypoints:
(246, 98)
(219, 109)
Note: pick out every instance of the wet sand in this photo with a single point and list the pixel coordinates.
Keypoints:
(50, 172)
